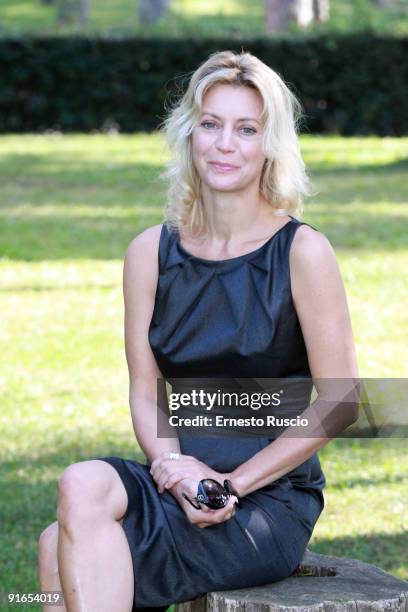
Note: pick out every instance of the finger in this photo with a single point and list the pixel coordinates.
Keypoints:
(164, 456)
(153, 469)
(212, 516)
(157, 468)
(163, 471)
(232, 513)
(159, 459)
(207, 510)
(174, 471)
(229, 509)
(227, 512)
(174, 479)
(233, 507)
(159, 464)
(170, 465)
(222, 514)
(201, 516)
(166, 482)
(157, 475)
(154, 463)
(233, 500)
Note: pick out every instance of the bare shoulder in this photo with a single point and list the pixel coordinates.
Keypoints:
(145, 244)
(141, 265)
(310, 247)
(313, 264)
(311, 254)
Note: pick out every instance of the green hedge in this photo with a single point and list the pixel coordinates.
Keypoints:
(348, 84)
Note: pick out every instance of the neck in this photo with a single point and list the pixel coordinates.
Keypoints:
(235, 213)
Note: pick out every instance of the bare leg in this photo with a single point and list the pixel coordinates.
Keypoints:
(94, 560)
(48, 564)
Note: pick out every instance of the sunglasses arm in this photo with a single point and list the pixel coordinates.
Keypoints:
(198, 507)
(228, 487)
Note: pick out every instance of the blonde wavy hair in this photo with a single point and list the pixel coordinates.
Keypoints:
(284, 180)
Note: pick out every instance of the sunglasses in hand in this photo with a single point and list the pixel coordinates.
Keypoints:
(212, 494)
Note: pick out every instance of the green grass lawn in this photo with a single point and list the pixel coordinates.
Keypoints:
(69, 207)
(236, 18)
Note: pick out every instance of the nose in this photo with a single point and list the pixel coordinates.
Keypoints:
(225, 141)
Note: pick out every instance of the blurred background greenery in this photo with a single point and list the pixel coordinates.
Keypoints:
(237, 18)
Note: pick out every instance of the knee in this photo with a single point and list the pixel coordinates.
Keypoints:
(80, 494)
(47, 548)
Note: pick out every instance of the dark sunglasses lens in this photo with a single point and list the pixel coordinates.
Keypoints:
(212, 486)
(216, 494)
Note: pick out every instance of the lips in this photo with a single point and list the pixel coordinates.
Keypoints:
(221, 166)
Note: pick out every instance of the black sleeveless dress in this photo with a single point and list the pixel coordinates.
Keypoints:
(235, 318)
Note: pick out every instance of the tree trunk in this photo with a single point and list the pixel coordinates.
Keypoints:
(303, 12)
(66, 11)
(321, 10)
(321, 583)
(150, 11)
(83, 11)
(72, 11)
(382, 4)
(278, 15)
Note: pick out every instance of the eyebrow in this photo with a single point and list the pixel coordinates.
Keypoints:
(241, 119)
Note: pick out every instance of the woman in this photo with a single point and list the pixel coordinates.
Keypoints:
(232, 284)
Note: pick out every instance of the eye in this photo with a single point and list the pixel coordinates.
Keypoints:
(251, 130)
(247, 130)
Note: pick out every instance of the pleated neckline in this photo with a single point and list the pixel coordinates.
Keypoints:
(230, 259)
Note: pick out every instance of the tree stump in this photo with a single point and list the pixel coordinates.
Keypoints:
(321, 583)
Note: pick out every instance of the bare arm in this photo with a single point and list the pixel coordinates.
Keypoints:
(320, 301)
(140, 275)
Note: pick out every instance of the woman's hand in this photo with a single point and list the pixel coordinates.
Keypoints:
(206, 516)
(168, 472)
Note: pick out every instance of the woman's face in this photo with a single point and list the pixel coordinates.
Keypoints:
(227, 141)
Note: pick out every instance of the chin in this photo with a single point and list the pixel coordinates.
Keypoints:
(224, 188)
(223, 183)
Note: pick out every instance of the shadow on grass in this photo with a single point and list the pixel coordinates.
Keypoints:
(400, 166)
(63, 237)
(366, 482)
(60, 180)
(386, 551)
(65, 170)
(53, 288)
(70, 170)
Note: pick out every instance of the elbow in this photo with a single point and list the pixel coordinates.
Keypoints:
(339, 407)
(354, 402)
